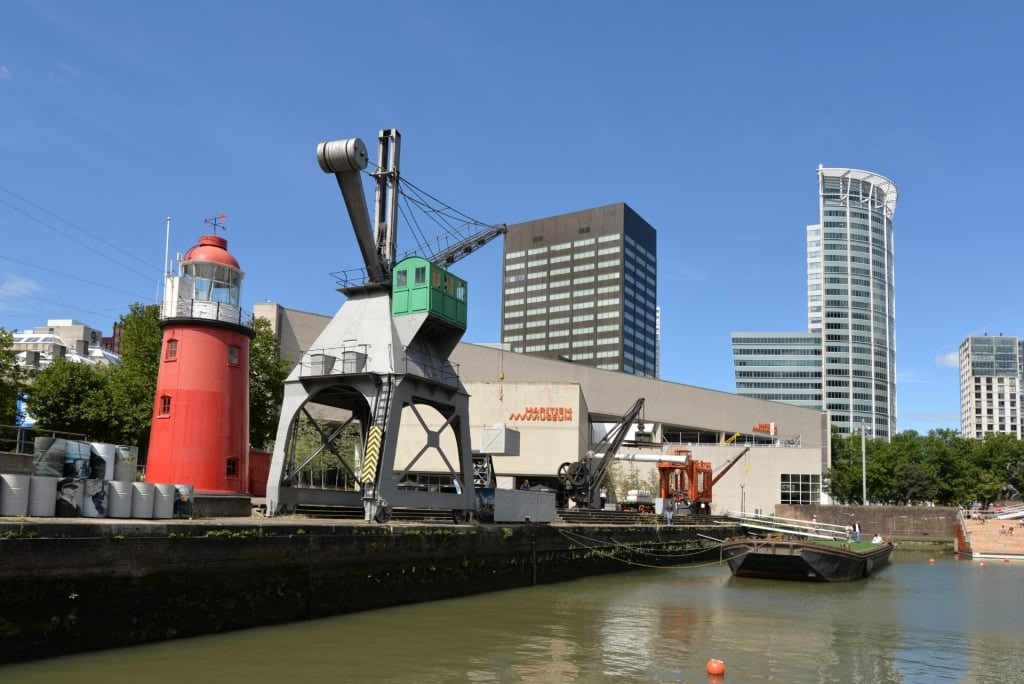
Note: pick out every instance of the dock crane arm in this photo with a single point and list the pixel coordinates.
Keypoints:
(728, 466)
(449, 255)
(346, 159)
(585, 477)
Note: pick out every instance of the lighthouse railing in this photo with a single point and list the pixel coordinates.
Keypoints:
(209, 311)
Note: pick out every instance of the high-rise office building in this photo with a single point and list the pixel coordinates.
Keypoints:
(850, 310)
(583, 287)
(990, 377)
(782, 367)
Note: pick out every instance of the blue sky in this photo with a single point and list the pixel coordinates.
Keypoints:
(709, 119)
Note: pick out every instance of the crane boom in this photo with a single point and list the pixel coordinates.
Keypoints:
(583, 478)
(728, 466)
(451, 254)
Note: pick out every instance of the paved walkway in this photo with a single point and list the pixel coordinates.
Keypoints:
(992, 538)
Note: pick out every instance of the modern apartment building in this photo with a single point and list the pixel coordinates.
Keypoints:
(850, 310)
(583, 287)
(990, 375)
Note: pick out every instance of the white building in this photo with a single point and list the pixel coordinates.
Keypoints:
(850, 310)
(990, 373)
(62, 339)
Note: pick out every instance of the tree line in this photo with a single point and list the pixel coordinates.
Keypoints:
(114, 403)
(941, 468)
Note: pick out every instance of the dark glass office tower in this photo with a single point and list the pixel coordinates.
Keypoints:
(583, 287)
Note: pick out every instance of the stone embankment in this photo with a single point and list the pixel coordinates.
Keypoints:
(80, 585)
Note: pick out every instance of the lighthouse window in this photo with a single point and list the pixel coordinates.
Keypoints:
(172, 349)
(165, 405)
(202, 289)
(233, 355)
(232, 469)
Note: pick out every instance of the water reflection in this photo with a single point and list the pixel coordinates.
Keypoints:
(911, 622)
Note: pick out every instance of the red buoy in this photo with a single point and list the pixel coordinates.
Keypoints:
(931, 561)
(716, 667)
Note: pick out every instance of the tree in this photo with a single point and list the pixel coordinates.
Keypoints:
(133, 381)
(267, 373)
(11, 379)
(843, 478)
(72, 397)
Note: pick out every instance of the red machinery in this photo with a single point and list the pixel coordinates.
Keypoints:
(691, 482)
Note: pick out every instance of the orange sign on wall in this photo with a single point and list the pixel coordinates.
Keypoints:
(551, 414)
(764, 427)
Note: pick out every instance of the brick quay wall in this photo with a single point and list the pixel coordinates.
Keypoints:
(901, 523)
(70, 587)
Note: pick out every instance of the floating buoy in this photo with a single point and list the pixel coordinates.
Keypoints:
(982, 563)
(716, 667)
(931, 561)
(1006, 560)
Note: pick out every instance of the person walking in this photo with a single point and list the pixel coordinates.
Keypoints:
(670, 508)
(856, 530)
(603, 494)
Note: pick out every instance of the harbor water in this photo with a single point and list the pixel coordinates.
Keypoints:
(923, 618)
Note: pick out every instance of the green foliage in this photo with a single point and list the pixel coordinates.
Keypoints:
(333, 464)
(133, 382)
(267, 373)
(623, 476)
(12, 380)
(71, 397)
(941, 467)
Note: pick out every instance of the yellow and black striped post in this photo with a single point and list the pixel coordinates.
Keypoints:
(371, 455)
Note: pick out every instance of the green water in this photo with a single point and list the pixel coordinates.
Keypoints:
(912, 621)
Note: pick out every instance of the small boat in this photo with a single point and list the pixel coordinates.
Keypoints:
(807, 560)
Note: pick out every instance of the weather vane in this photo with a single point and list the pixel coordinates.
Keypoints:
(216, 222)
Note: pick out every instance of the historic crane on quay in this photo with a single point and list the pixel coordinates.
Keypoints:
(386, 350)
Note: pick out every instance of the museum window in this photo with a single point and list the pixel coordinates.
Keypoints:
(799, 489)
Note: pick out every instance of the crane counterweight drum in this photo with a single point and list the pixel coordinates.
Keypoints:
(342, 156)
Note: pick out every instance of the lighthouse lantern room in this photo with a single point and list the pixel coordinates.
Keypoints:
(200, 433)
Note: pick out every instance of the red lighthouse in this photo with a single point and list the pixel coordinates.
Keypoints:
(200, 432)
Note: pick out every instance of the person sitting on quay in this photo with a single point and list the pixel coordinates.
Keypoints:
(877, 539)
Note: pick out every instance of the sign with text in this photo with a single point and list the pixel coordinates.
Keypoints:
(549, 414)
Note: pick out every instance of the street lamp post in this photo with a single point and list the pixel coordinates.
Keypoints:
(863, 464)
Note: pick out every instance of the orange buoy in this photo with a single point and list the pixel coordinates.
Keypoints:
(1006, 560)
(931, 561)
(982, 563)
(716, 667)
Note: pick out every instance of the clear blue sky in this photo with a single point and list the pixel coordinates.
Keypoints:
(709, 119)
